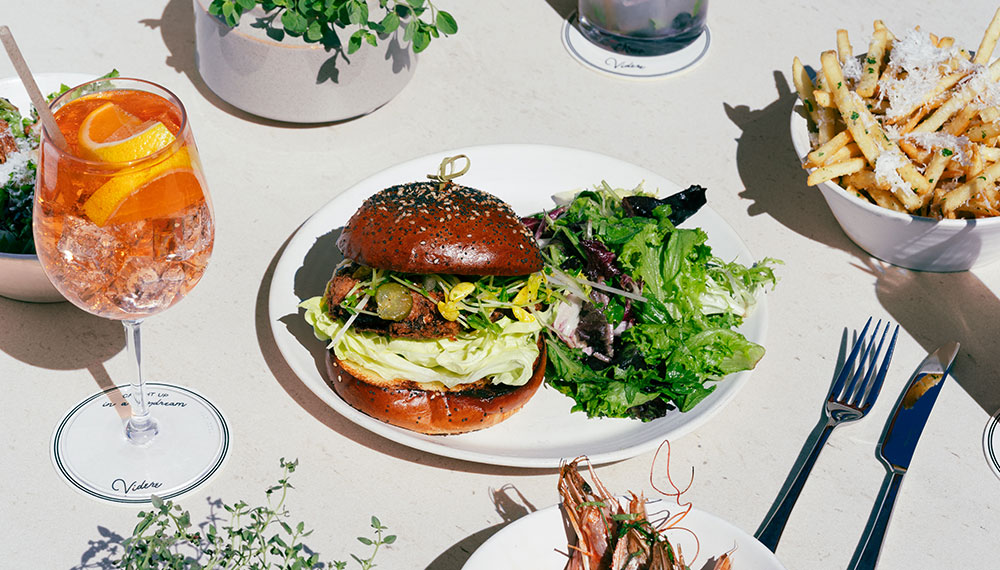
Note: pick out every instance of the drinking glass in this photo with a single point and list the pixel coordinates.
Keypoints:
(124, 229)
(642, 27)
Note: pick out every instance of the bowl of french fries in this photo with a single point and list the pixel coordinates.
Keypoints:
(903, 141)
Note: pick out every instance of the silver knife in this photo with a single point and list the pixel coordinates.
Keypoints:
(896, 449)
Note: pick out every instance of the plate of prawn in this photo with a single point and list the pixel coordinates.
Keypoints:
(593, 529)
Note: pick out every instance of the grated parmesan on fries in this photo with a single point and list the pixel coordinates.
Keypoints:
(912, 125)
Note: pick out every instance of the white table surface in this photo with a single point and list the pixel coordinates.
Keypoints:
(506, 78)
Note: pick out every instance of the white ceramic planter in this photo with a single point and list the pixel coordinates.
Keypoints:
(292, 80)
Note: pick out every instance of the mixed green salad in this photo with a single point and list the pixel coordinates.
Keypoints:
(648, 315)
(17, 175)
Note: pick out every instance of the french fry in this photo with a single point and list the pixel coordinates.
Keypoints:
(880, 25)
(931, 100)
(851, 109)
(822, 118)
(823, 98)
(960, 122)
(885, 199)
(844, 49)
(959, 100)
(989, 153)
(935, 168)
(829, 172)
(823, 152)
(842, 154)
(960, 195)
(975, 165)
(989, 41)
(913, 151)
(871, 68)
(864, 178)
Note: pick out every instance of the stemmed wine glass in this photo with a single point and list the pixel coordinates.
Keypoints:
(123, 227)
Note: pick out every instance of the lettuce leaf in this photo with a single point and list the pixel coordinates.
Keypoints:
(506, 353)
(670, 350)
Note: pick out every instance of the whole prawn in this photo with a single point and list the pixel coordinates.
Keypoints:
(613, 536)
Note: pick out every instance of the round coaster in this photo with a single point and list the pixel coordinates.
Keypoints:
(90, 451)
(991, 443)
(616, 64)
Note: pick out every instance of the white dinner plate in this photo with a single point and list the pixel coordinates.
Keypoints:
(544, 431)
(538, 541)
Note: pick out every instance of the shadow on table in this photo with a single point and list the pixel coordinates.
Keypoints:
(510, 504)
(102, 552)
(310, 280)
(59, 336)
(176, 26)
(772, 175)
(847, 341)
(564, 8)
(933, 308)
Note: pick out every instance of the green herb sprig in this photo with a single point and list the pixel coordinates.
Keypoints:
(165, 538)
(318, 21)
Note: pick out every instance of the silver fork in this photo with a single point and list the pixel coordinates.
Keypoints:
(845, 404)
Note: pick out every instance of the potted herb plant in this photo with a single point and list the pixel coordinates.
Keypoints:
(313, 61)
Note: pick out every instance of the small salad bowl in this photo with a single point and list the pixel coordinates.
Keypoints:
(22, 278)
(904, 240)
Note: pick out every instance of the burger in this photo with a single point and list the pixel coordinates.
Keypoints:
(433, 319)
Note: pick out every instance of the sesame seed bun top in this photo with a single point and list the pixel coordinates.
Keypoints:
(423, 228)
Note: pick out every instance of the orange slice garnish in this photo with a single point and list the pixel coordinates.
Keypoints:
(170, 192)
(111, 197)
(112, 134)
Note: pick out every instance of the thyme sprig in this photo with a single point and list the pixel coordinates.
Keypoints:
(165, 537)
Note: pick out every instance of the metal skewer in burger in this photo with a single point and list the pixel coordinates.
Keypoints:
(433, 317)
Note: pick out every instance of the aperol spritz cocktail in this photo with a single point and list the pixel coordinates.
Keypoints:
(124, 229)
(123, 224)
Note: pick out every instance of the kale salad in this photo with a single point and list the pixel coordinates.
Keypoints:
(646, 318)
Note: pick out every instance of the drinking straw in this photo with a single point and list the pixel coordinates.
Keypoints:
(41, 105)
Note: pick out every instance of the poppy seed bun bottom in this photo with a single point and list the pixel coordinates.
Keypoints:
(430, 412)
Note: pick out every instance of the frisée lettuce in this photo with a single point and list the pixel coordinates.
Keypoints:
(649, 318)
(506, 352)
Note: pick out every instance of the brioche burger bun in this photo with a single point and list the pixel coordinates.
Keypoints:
(433, 319)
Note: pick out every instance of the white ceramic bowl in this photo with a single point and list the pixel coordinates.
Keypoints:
(913, 242)
(21, 275)
(22, 278)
